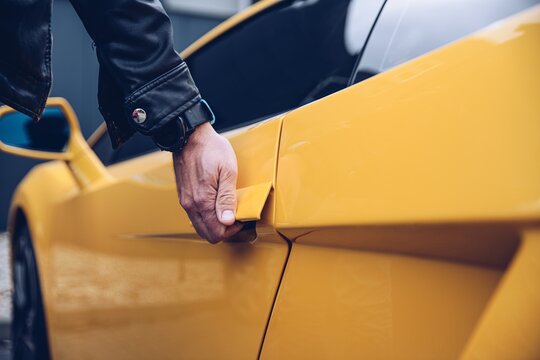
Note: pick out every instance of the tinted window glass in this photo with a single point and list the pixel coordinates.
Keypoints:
(410, 28)
(289, 55)
(292, 54)
(103, 149)
(138, 145)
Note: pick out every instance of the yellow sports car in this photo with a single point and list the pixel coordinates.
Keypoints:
(389, 178)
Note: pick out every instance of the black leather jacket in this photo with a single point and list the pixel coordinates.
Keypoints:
(139, 67)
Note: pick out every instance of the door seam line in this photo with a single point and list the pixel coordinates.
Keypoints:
(289, 250)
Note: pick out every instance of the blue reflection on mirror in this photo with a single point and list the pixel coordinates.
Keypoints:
(50, 134)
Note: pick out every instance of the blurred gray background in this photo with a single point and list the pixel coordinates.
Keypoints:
(75, 69)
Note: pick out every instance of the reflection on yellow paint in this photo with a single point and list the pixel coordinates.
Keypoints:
(126, 276)
(348, 304)
(88, 281)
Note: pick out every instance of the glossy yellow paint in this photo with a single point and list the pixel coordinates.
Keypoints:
(510, 326)
(251, 201)
(348, 304)
(97, 134)
(407, 196)
(452, 136)
(86, 167)
(124, 274)
(72, 147)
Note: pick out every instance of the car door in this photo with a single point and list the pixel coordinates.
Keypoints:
(133, 280)
(131, 277)
(408, 195)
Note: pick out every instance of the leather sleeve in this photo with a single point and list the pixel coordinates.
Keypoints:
(25, 59)
(135, 50)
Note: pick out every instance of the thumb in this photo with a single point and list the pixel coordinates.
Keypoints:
(226, 198)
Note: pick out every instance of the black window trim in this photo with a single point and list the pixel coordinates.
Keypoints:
(354, 72)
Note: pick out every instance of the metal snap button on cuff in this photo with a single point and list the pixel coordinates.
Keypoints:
(138, 115)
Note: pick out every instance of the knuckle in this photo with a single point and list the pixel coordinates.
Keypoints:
(216, 233)
(208, 215)
(213, 240)
(226, 197)
(186, 202)
(199, 199)
(200, 233)
(203, 201)
(230, 172)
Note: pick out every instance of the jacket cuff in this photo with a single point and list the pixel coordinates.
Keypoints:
(161, 100)
(23, 93)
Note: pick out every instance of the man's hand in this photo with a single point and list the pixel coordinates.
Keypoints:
(206, 172)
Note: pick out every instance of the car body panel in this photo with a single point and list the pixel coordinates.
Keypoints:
(124, 274)
(438, 139)
(510, 326)
(339, 303)
(409, 198)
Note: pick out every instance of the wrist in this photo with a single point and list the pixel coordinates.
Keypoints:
(200, 136)
(201, 133)
(175, 135)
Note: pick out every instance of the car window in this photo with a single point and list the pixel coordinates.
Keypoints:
(410, 28)
(288, 55)
(103, 149)
(293, 53)
(137, 145)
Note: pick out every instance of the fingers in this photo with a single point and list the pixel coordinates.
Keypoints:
(199, 224)
(233, 230)
(201, 211)
(215, 229)
(226, 197)
(206, 174)
(212, 230)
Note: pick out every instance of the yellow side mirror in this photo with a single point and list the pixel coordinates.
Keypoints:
(54, 137)
(57, 136)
